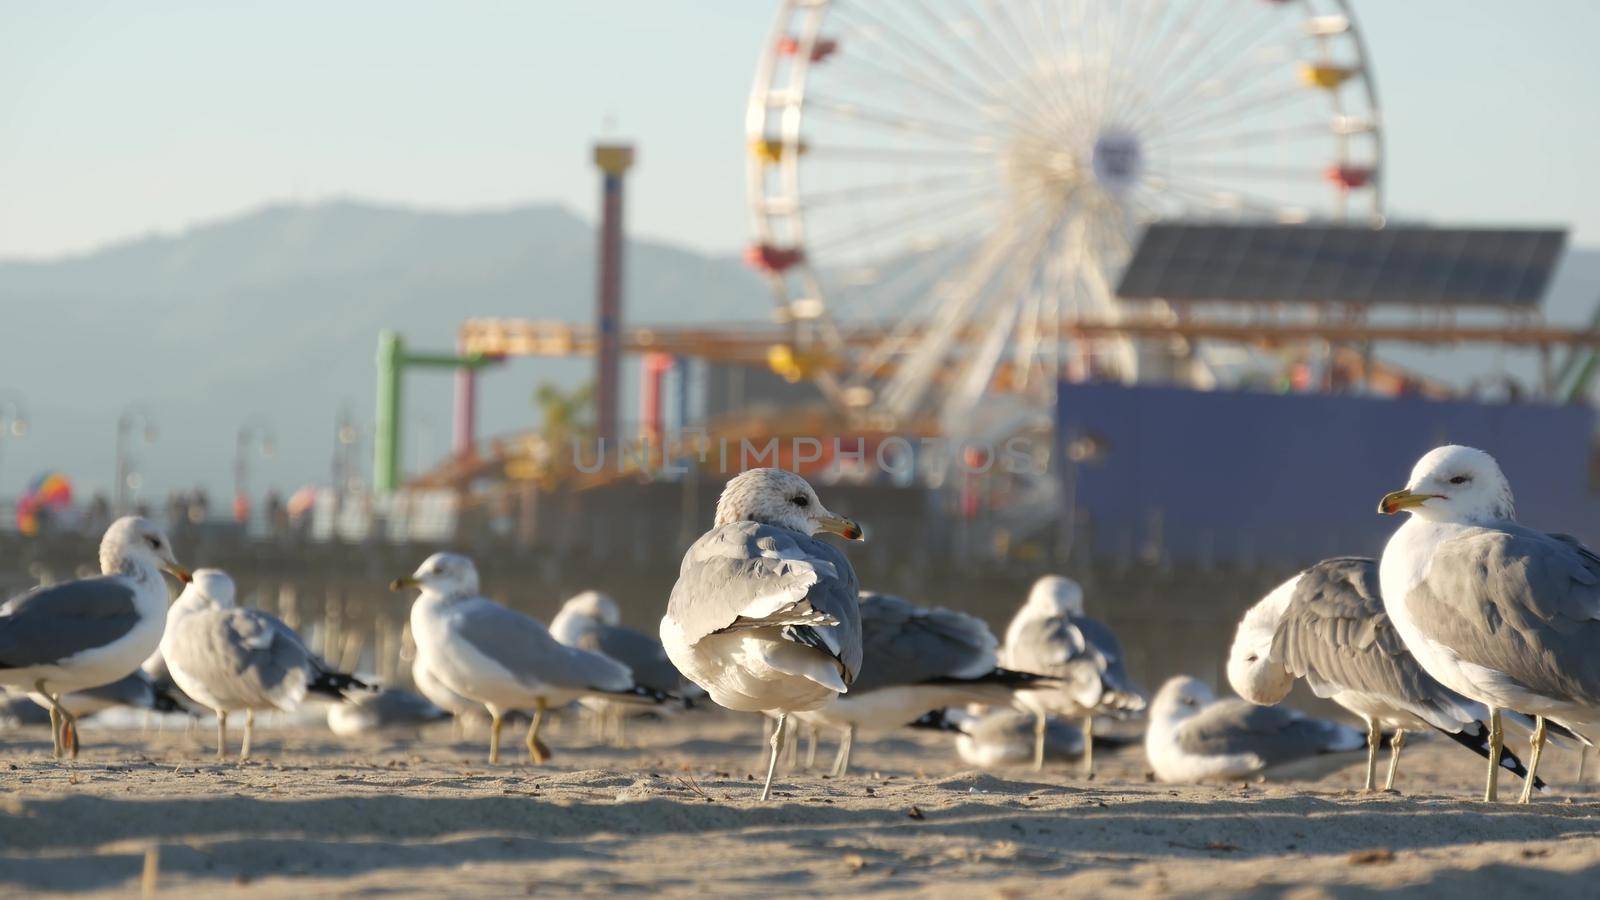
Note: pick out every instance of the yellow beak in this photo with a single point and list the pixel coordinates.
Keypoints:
(1396, 502)
(403, 582)
(841, 526)
(178, 572)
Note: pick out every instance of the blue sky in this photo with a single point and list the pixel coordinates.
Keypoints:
(122, 118)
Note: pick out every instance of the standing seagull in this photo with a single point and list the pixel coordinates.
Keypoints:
(499, 657)
(915, 659)
(764, 616)
(591, 621)
(1328, 626)
(1193, 736)
(228, 658)
(1002, 736)
(80, 634)
(1502, 613)
(1050, 635)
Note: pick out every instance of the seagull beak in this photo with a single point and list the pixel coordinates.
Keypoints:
(178, 572)
(1398, 501)
(839, 525)
(403, 582)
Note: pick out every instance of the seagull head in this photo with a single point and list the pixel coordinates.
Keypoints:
(1252, 672)
(1180, 698)
(1057, 595)
(137, 541)
(1453, 484)
(450, 574)
(595, 605)
(782, 499)
(209, 587)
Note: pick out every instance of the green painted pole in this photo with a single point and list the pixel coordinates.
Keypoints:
(386, 440)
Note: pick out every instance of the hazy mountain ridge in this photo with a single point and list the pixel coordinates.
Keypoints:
(274, 314)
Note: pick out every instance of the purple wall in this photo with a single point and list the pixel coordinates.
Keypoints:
(1255, 477)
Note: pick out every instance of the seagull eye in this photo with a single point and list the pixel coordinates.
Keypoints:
(802, 501)
(1460, 479)
(154, 542)
(1250, 658)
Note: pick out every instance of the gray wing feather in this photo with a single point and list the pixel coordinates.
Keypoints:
(1336, 634)
(1101, 642)
(51, 623)
(245, 652)
(135, 689)
(1274, 734)
(904, 644)
(1519, 602)
(749, 575)
(526, 648)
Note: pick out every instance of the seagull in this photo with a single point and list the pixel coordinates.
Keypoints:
(1193, 736)
(764, 616)
(80, 634)
(1002, 736)
(228, 658)
(591, 621)
(384, 710)
(1327, 625)
(1051, 636)
(500, 658)
(1502, 613)
(915, 659)
(137, 690)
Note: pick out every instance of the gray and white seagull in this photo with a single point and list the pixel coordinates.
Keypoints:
(502, 658)
(591, 620)
(764, 616)
(1327, 625)
(1050, 635)
(1500, 612)
(81, 634)
(227, 658)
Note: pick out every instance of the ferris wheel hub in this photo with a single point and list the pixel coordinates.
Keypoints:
(1117, 160)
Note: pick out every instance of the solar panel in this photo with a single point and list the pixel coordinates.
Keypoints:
(1342, 264)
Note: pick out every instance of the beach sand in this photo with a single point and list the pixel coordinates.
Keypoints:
(316, 815)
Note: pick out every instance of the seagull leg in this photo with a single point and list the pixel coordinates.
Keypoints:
(811, 748)
(494, 736)
(69, 731)
(55, 718)
(537, 751)
(1374, 740)
(222, 735)
(1394, 757)
(249, 731)
(772, 760)
(1537, 740)
(1038, 742)
(1088, 746)
(841, 763)
(1583, 762)
(55, 731)
(1491, 788)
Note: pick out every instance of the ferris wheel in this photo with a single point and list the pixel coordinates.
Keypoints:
(937, 186)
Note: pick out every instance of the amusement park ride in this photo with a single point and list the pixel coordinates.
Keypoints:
(946, 197)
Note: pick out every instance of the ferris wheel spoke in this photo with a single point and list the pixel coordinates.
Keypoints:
(900, 221)
(1123, 37)
(906, 68)
(868, 193)
(1038, 60)
(877, 79)
(1052, 24)
(1227, 85)
(872, 26)
(1251, 138)
(1254, 105)
(905, 124)
(1222, 196)
(1209, 65)
(974, 59)
(904, 156)
(1254, 172)
(1185, 41)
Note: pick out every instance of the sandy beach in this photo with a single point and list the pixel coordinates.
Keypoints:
(676, 813)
